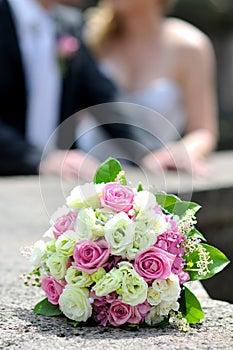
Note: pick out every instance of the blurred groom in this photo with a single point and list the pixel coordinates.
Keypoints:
(33, 97)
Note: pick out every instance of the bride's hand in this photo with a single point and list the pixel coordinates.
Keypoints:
(69, 164)
(175, 156)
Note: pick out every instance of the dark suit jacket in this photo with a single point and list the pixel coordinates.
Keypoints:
(84, 86)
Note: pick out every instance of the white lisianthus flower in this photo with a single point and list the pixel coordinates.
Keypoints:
(133, 288)
(96, 276)
(149, 213)
(65, 243)
(78, 278)
(61, 211)
(169, 288)
(144, 201)
(103, 215)
(74, 303)
(153, 296)
(85, 196)
(109, 283)
(119, 233)
(38, 252)
(57, 265)
(144, 237)
(153, 317)
(50, 247)
(85, 221)
(164, 308)
(85, 225)
(155, 222)
(163, 295)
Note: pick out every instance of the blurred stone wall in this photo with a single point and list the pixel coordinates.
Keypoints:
(215, 18)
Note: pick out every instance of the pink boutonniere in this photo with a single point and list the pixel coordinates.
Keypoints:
(67, 45)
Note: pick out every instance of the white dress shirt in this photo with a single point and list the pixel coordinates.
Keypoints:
(37, 40)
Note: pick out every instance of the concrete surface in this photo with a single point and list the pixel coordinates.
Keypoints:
(23, 220)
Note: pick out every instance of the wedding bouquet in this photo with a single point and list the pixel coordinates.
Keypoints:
(117, 255)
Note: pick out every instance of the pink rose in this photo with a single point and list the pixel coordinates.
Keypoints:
(64, 223)
(67, 45)
(154, 263)
(117, 197)
(144, 309)
(120, 313)
(52, 288)
(135, 317)
(89, 255)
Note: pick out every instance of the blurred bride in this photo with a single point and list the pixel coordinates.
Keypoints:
(164, 64)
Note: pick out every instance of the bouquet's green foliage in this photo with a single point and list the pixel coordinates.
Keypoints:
(161, 324)
(73, 323)
(194, 233)
(107, 171)
(190, 307)
(140, 187)
(45, 308)
(219, 262)
(131, 327)
(175, 205)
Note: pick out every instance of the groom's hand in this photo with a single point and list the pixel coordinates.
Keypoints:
(69, 164)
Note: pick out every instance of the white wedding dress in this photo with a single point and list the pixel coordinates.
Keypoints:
(158, 109)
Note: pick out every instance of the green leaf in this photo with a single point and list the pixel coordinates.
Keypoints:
(180, 208)
(194, 233)
(190, 307)
(220, 261)
(166, 200)
(161, 324)
(192, 268)
(45, 308)
(107, 171)
(140, 188)
(174, 204)
(131, 327)
(73, 323)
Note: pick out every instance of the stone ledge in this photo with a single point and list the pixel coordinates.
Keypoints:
(20, 329)
(24, 219)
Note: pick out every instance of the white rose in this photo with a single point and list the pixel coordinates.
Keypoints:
(119, 233)
(84, 196)
(74, 303)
